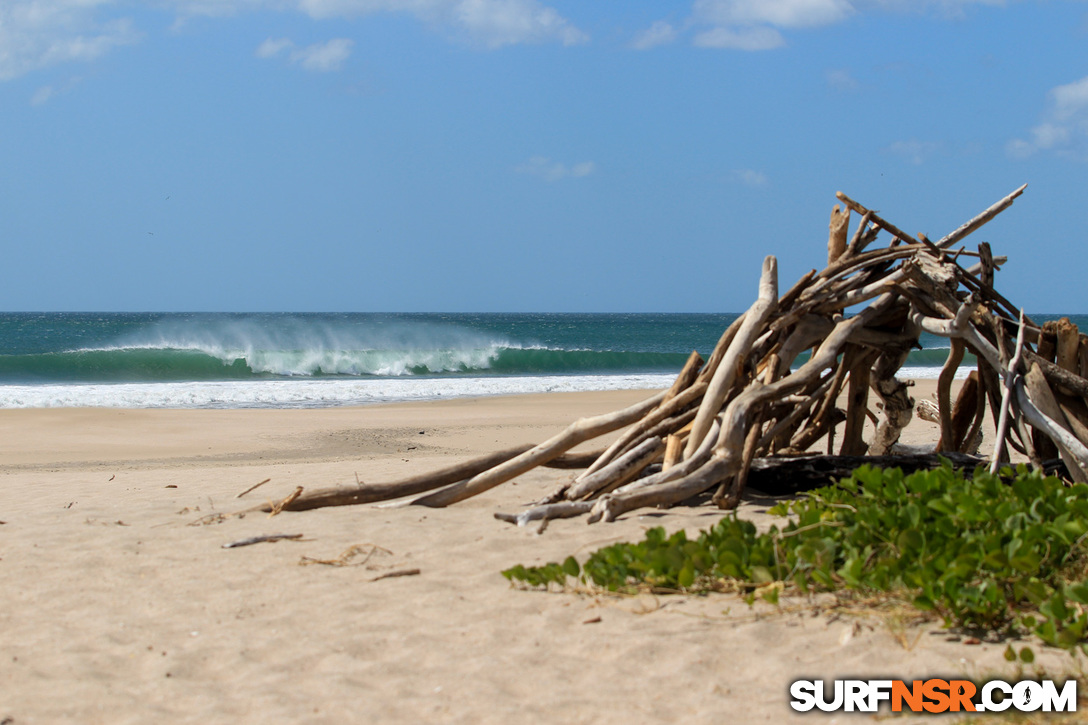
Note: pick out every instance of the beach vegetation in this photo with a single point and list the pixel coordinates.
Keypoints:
(997, 554)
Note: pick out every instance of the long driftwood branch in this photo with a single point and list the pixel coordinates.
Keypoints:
(803, 371)
(727, 371)
(577, 432)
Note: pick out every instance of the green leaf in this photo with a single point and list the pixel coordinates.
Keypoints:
(761, 575)
(686, 577)
(990, 552)
(1078, 593)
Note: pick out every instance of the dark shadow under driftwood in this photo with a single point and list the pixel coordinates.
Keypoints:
(787, 475)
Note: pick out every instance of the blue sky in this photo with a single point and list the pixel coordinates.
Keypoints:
(522, 155)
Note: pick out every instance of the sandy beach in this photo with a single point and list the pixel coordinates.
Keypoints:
(118, 606)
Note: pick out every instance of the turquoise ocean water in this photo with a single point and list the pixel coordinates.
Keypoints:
(227, 360)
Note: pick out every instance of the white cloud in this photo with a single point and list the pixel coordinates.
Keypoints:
(324, 57)
(493, 23)
(777, 13)
(913, 150)
(273, 47)
(761, 24)
(1063, 127)
(584, 168)
(320, 57)
(37, 34)
(1070, 100)
(760, 38)
(42, 95)
(755, 24)
(47, 93)
(750, 177)
(507, 22)
(660, 33)
(744, 24)
(841, 80)
(545, 168)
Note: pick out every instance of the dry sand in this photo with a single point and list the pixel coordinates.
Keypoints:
(116, 609)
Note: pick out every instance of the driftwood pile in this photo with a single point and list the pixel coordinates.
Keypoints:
(795, 370)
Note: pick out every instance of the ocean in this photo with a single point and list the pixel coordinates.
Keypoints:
(303, 360)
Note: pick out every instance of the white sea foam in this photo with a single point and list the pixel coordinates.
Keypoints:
(308, 393)
(930, 373)
(296, 346)
(311, 393)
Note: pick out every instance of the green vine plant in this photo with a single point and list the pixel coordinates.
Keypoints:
(998, 554)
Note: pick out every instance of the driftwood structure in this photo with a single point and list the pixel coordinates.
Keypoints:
(796, 370)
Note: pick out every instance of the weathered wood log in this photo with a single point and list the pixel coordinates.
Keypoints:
(894, 394)
(789, 475)
(808, 331)
(1058, 376)
(986, 259)
(874, 218)
(727, 491)
(793, 474)
(676, 424)
(857, 399)
(668, 408)
(1082, 357)
(838, 230)
(679, 423)
(720, 349)
(972, 441)
(977, 222)
(787, 300)
(781, 432)
(679, 470)
(858, 292)
(960, 327)
(708, 475)
(619, 471)
(986, 291)
(1048, 341)
(993, 329)
(991, 383)
(830, 282)
(748, 400)
(577, 432)
(962, 417)
(1047, 349)
(825, 417)
(546, 512)
(851, 264)
(1041, 396)
(674, 449)
(1076, 414)
(728, 494)
(687, 376)
(944, 393)
(414, 485)
(937, 280)
(1068, 347)
(726, 374)
(572, 460)
(1039, 419)
(864, 235)
(739, 412)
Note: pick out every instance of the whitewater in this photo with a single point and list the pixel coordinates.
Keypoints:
(232, 360)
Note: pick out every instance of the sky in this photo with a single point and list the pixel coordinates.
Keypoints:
(522, 155)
